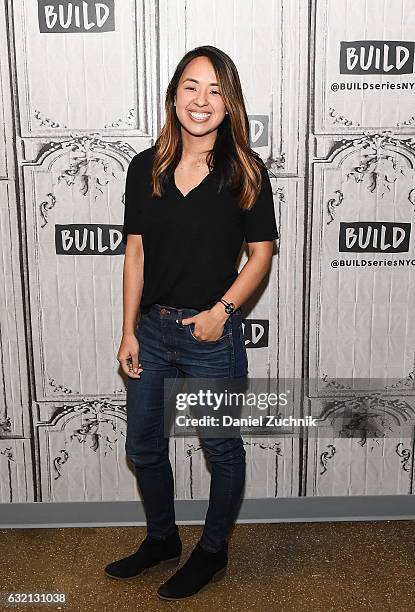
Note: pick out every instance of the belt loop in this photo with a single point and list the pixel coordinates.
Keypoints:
(179, 316)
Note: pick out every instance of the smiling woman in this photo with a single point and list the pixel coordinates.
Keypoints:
(197, 102)
(207, 126)
(190, 202)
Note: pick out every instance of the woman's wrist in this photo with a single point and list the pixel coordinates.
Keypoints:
(129, 330)
(219, 311)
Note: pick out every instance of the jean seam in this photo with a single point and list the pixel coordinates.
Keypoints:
(232, 354)
(229, 500)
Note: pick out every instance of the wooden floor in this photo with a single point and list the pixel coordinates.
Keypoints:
(310, 567)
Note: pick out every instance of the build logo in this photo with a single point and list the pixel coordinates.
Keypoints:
(77, 16)
(255, 333)
(374, 237)
(376, 57)
(258, 130)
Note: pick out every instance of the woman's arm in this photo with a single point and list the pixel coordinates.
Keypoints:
(133, 282)
(210, 323)
(249, 278)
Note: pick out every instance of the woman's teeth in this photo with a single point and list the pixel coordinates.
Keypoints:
(199, 116)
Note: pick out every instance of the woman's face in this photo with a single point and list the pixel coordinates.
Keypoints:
(199, 105)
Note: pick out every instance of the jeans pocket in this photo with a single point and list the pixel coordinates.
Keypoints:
(225, 333)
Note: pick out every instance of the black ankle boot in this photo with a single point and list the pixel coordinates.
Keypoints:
(151, 552)
(201, 567)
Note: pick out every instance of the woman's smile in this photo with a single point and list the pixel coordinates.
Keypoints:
(199, 117)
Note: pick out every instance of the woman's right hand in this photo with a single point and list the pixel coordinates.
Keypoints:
(128, 355)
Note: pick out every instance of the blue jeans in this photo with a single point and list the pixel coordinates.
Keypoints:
(168, 349)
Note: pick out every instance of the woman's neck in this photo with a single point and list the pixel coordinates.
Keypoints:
(195, 150)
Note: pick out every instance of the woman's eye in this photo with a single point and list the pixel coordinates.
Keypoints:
(215, 92)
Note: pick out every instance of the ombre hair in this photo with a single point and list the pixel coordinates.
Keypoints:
(237, 166)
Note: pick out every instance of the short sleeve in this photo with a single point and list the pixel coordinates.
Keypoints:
(132, 210)
(259, 222)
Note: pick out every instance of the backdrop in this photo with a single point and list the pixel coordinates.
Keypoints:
(329, 88)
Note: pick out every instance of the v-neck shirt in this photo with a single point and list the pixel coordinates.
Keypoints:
(191, 242)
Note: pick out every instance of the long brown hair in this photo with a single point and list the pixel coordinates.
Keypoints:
(238, 167)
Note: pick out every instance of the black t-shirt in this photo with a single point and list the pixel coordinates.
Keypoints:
(191, 243)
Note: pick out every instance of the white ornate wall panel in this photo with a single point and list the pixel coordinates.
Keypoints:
(16, 482)
(363, 86)
(14, 419)
(102, 82)
(340, 467)
(360, 277)
(76, 297)
(16, 469)
(84, 446)
(7, 168)
(360, 322)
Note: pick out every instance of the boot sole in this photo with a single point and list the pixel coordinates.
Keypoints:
(220, 574)
(166, 564)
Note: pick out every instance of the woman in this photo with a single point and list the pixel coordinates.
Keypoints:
(190, 201)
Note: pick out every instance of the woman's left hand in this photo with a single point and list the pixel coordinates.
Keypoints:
(208, 325)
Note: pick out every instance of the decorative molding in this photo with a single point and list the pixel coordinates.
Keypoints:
(403, 383)
(60, 388)
(405, 454)
(333, 203)
(372, 140)
(407, 122)
(280, 193)
(325, 456)
(274, 165)
(332, 383)
(85, 144)
(48, 122)
(129, 120)
(5, 426)
(364, 421)
(7, 452)
(337, 118)
(275, 447)
(94, 413)
(90, 172)
(377, 166)
(368, 415)
(189, 452)
(380, 169)
(45, 207)
(58, 462)
(87, 167)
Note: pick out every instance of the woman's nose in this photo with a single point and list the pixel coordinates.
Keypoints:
(201, 98)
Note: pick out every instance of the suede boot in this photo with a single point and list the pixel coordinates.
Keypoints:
(201, 567)
(150, 553)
